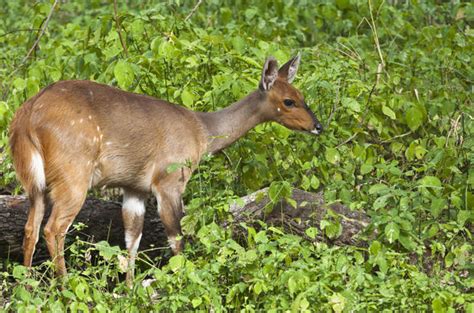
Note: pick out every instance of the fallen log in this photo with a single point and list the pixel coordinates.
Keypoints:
(104, 221)
(307, 210)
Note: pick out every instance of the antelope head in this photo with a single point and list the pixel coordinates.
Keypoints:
(285, 104)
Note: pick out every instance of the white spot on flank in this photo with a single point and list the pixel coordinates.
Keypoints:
(37, 170)
(73, 122)
(108, 143)
(81, 120)
(91, 93)
(98, 128)
(90, 117)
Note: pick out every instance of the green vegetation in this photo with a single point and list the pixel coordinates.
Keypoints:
(392, 81)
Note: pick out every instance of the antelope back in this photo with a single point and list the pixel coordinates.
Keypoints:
(119, 138)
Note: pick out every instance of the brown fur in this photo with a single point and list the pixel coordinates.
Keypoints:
(88, 134)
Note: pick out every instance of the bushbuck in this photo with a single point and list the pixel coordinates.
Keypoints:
(75, 135)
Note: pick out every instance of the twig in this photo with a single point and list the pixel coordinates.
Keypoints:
(376, 37)
(193, 10)
(18, 31)
(454, 129)
(117, 24)
(336, 102)
(347, 140)
(396, 137)
(43, 29)
(353, 51)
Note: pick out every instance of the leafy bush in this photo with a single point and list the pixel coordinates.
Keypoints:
(392, 82)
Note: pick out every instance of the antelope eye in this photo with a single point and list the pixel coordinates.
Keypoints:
(289, 102)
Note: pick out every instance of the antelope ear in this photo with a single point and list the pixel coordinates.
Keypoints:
(289, 69)
(269, 74)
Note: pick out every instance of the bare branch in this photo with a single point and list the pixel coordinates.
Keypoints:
(376, 37)
(193, 10)
(43, 29)
(19, 31)
(119, 31)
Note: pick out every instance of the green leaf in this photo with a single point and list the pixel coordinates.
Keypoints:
(20, 271)
(338, 302)
(407, 242)
(437, 206)
(107, 251)
(292, 285)
(68, 294)
(366, 168)
(430, 185)
(315, 182)
(414, 118)
(375, 248)
(381, 202)
(331, 229)
(124, 74)
(187, 97)
(279, 190)
(438, 305)
(351, 104)
(196, 302)
(387, 111)
(19, 84)
(81, 291)
(257, 288)
(311, 232)
(430, 181)
(379, 189)
(332, 155)
(176, 262)
(463, 216)
(392, 232)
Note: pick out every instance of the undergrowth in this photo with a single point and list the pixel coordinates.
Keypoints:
(390, 80)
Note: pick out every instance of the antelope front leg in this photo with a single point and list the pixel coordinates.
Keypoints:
(133, 213)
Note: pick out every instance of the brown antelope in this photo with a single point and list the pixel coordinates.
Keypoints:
(74, 135)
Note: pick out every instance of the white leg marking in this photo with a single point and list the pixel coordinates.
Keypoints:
(132, 243)
(133, 204)
(37, 170)
(158, 205)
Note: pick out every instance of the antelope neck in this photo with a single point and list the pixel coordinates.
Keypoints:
(227, 125)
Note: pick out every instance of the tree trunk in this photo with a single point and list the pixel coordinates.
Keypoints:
(104, 221)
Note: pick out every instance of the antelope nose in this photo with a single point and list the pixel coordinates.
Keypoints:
(318, 129)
